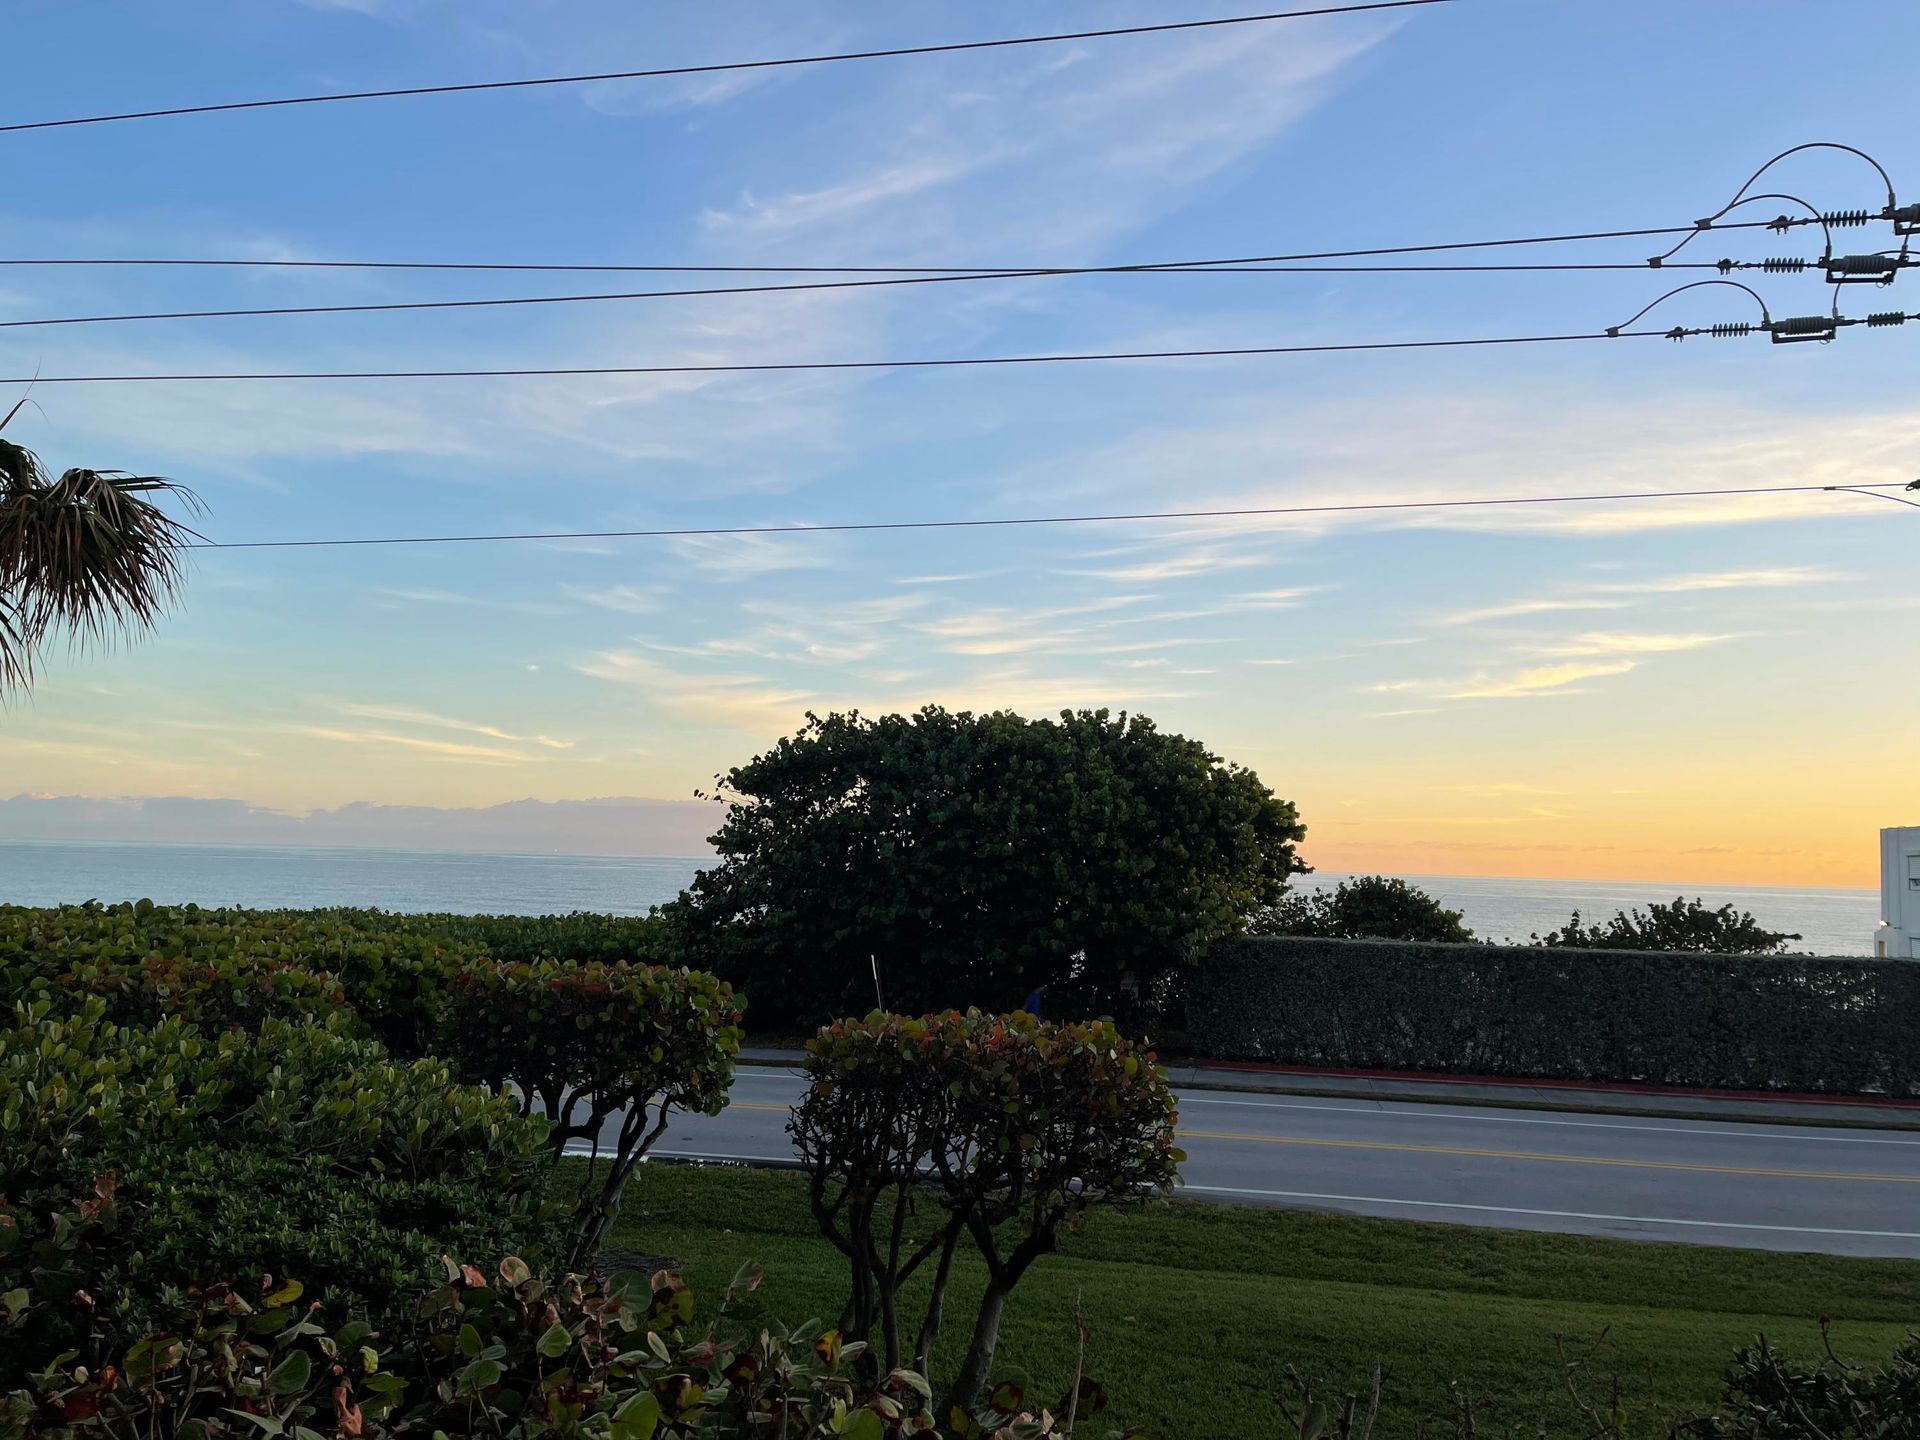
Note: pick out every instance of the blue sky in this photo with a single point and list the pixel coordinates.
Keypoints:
(1688, 691)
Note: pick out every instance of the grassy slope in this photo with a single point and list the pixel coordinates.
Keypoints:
(1197, 1309)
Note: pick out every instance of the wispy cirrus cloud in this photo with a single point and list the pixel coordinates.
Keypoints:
(1516, 609)
(737, 700)
(628, 599)
(1531, 682)
(438, 749)
(1006, 630)
(1781, 576)
(1506, 787)
(1056, 129)
(1609, 642)
(801, 209)
(425, 595)
(1620, 594)
(410, 715)
(740, 557)
(1200, 560)
(1540, 681)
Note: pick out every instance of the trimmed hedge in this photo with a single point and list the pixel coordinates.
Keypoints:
(218, 967)
(1836, 1025)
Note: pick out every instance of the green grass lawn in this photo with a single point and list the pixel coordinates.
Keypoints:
(1196, 1310)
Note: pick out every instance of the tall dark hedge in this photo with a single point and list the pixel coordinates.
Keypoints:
(1773, 1022)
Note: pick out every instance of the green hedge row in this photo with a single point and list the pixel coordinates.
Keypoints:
(237, 967)
(1785, 1022)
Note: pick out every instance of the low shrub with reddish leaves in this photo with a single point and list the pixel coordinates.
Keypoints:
(604, 1051)
(501, 1355)
(995, 1129)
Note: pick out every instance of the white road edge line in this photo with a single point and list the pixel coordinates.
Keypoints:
(1550, 1214)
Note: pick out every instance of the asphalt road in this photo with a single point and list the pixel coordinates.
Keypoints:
(1771, 1187)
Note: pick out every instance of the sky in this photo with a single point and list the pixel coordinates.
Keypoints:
(1710, 691)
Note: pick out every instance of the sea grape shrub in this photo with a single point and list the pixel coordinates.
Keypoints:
(221, 966)
(303, 1146)
(239, 1362)
(221, 992)
(1060, 1120)
(579, 935)
(235, 966)
(605, 1052)
(1771, 1398)
(1005, 1127)
(884, 1102)
(973, 857)
(506, 1354)
(121, 954)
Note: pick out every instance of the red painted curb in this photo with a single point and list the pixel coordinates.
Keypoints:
(1426, 1077)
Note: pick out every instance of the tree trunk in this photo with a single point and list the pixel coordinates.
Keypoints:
(979, 1360)
(936, 1303)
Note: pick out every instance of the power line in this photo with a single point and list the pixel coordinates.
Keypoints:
(713, 69)
(1783, 223)
(1250, 512)
(788, 365)
(1877, 492)
(1174, 268)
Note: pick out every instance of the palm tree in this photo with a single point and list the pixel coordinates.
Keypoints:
(87, 552)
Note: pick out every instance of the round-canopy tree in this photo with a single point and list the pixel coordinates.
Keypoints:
(975, 858)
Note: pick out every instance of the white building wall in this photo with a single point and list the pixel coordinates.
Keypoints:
(1899, 933)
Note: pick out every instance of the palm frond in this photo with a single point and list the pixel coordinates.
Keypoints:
(88, 553)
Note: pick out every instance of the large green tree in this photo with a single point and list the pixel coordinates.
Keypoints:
(973, 858)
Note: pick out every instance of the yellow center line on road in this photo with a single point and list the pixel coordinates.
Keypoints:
(1559, 1159)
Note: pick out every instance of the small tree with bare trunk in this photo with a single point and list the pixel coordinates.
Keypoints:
(919, 1133)
(605, 1052)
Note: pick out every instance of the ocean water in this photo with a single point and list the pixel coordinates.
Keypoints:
(1832, 922)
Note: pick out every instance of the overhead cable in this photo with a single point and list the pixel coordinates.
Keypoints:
(1784, 222)
(664, 72)
(1246, 512)
(1843, 269)
(1794, 328)
(776, 366)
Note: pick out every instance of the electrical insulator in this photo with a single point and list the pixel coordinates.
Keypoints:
(1844, 219)
(1798, 328)
(1731, 330)
(1861, 269)
(1886, 317)
(1782, 266)
(1905, 218)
